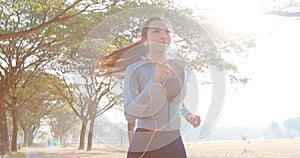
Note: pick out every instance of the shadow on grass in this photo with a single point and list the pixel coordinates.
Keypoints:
(56, 154)
(62, 152)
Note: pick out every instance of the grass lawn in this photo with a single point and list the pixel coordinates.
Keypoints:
(285, 148)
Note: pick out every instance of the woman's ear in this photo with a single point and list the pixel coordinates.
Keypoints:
(143, 39)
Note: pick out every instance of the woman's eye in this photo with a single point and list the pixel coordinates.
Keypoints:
(156, 31)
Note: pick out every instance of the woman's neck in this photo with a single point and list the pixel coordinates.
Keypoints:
(157, 57)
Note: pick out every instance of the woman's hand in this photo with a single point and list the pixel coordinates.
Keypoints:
(195, 120)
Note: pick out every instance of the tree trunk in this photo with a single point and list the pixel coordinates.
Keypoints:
(30, 138)
(62, 139)
(82, 135)
(14, 115)
(32, 131)
(25, 141)
(4, 145)
(90, 137)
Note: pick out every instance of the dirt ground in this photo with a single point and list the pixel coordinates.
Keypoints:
(285, 148)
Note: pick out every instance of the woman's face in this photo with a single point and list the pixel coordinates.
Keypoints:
(158, 36)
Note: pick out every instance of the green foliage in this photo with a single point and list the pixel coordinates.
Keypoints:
(246, 141)
(244, 138)
(38, 7)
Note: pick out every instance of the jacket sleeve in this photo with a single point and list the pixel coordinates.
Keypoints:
(187, 76)
(141, 103)
(184, 111)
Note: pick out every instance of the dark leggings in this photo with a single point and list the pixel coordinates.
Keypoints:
(156, 144)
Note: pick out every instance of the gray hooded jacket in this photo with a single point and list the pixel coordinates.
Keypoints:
(146, 101)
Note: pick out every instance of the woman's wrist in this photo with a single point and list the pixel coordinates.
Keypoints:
(189, 117)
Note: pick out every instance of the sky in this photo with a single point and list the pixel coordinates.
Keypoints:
(272, 93)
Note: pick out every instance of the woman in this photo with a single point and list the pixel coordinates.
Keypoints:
(154, 88)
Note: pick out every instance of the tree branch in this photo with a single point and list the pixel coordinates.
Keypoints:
(285, 14)
(68, 8)
(42, 26)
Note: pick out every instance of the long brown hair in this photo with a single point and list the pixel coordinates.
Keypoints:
(120, 59)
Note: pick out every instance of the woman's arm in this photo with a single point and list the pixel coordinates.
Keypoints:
(194, 120)
(136, 102)
(141, 103)
(130, 128)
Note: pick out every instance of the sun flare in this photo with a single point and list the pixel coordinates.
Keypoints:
(238, 16)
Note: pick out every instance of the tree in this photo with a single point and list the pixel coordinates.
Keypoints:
(38, 99)
(96, 90)
(286, 14)
(32, 35)
(28, 87)
(63, 67)
(89, 94)
(89, 99)
(18, 55)
(284, 8)
(292, 125)
(246, 141)
(44, 13)
(274, 131)
(61, 123)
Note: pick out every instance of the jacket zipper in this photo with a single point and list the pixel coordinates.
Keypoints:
(168, 115)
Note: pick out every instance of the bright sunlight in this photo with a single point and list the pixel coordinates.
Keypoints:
(238, 16)
(231, 15)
